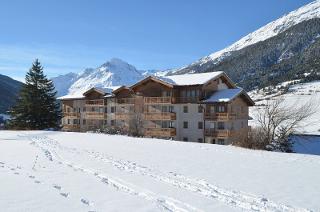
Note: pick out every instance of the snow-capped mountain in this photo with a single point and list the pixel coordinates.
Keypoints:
(112, 73)
(307, 12)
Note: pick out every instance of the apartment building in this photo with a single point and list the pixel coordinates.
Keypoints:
(205, 107)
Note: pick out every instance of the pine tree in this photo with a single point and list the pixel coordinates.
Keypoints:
(36, 107)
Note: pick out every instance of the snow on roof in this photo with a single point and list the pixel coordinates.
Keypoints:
(71, 96)
(224, 95)
(190, 79)
(107, 90)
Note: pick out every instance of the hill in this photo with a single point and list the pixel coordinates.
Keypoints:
(283, 50)
(9, 90)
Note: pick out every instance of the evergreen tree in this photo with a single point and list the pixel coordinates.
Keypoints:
(36, 107)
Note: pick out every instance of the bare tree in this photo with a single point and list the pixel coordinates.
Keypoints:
(278, 121)
(136, 125)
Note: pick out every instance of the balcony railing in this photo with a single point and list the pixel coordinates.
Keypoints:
(97, 102)
(158, 100)
(187, 99)
(220, 116)
(125, 101)
(71, 114)
(95, 115)
(160, 132)
(123, 116)
(160, 116)
(218, 133)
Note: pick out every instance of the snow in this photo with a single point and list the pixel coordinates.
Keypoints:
(298, 95)
(191, 79)
(224, 95)
(307, 12)
(112, 73)
(78, 95)
(60, 171)
(5, 116)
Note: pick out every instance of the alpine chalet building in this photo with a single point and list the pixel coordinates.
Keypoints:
(205, 107)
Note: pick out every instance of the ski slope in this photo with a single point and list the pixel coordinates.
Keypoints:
(56, 171)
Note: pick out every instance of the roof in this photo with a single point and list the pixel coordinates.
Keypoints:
(191, 79)
(184, 79)
(226, 95)
(104, 91)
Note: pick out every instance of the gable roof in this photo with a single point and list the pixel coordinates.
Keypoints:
(185, 79)
(191, 79)
(226, 95)
(152, 78)
(103, 91)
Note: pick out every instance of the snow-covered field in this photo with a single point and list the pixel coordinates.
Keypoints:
(297, 95)
(56, 171)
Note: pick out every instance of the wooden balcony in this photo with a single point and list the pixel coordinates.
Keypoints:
(95, 115)
(187, 100)
(71, 127)
(129, 101)
(158, 100)
(218, 133)
(71, 115)
(95, 102)
(123, 116)
(160, 132)
(220, 116)
(160, 116)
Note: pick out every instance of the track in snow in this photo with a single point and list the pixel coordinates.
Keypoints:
(232, 198)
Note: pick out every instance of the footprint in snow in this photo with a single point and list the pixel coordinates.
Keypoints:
(64, 194)
(1, 162)
(12, 169)
(85, 201)
(16, 173)
(57, 187)
(32, 177)
(37, 181)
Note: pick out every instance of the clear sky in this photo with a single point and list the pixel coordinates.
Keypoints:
(70, 35)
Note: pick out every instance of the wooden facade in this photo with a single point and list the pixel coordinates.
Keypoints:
(161, 109)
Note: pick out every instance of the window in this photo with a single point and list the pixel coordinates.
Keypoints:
(185, 139)
(199, 109)
(200, 125)
(68, 121)
(221, 108)
(75, 121)
(84, 122)
(212, 109)
(220, 125)
(171, 125)
(113, 109)
(106, 110)
(185, 124)
(200, 140)
(79, 109)
(112, 122)
(212, 125)
(170, 109)
(185, 109)
(220, 141)
(101, 109)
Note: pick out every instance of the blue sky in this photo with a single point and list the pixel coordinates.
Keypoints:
(70, 35)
